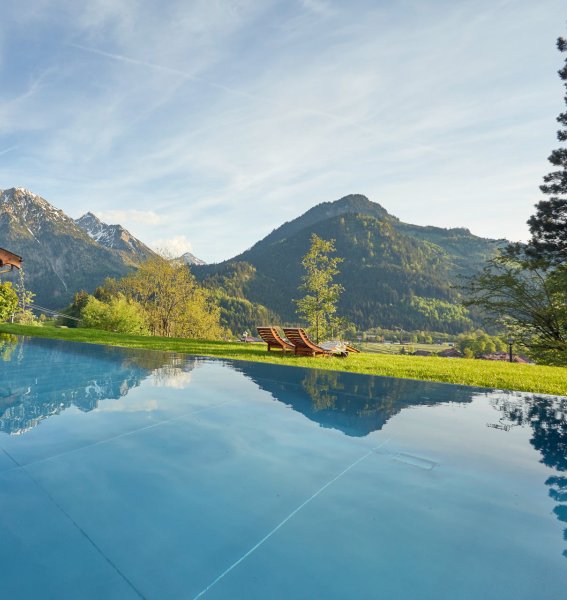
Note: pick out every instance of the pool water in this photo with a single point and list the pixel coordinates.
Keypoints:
(137, 474)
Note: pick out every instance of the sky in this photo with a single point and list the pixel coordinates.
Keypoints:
(204, 125)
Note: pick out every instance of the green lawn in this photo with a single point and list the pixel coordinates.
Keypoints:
(502, 375)
(384, 348)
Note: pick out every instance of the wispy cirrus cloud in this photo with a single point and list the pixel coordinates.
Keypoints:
(179, 118)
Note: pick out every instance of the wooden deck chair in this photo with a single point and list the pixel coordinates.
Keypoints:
(274, 339)
(303, 345)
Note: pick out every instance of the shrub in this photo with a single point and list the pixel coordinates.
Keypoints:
(8, 301)
(118, 314)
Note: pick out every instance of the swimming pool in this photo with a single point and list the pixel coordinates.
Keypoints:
(128, 474)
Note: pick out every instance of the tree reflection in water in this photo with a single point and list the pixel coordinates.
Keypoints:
(7, 346)
(546, 415)
(359, 405)
(77, 375)
(354, 404)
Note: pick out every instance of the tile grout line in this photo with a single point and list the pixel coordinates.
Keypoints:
(18, 466)
(115, 437)
(24, 468)
(84, 534)
(75, 524)
(290, 516)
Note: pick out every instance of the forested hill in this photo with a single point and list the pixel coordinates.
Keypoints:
(394, 274)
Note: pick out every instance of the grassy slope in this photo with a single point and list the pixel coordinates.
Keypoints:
(512, 376)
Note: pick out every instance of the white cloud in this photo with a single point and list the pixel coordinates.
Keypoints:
(171, 378)
(175, 246)
(234, 116)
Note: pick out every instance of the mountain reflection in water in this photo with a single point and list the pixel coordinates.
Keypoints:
(357, 405)
(31, 387)
(90, 373)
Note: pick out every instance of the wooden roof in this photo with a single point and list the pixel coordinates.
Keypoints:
(9, 259)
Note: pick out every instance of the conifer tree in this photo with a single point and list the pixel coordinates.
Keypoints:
(549, 224)
(525, 287)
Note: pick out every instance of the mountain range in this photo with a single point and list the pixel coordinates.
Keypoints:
(394, 274)
(63, 255)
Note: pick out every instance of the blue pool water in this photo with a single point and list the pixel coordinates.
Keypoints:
(133, 474)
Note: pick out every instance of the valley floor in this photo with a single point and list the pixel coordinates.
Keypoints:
(499, 375)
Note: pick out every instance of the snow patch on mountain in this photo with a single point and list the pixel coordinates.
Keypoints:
(114, 237)
(31, 209)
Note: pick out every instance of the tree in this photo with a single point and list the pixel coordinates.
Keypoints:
(477, 343)
(527, 299)
(525, 287)
(549, 224)
(74, 310)
(118, 314)
(24, 315)
(319, 305)
(8, 301)
(174, 305)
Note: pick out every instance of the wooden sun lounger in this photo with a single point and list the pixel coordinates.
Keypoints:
(303, 345)
(274, 339)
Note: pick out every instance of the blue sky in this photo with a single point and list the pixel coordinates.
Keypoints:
(206, 124)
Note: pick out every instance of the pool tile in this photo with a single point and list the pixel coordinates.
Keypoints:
(43, 554)
(200, 497)
(167, 477)
(385, 531)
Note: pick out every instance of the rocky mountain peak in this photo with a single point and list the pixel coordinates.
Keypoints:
(89, 217)
(114, 237)
(191, 259)
(94, 227)
(29, 208)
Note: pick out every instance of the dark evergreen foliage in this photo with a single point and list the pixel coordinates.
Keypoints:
(80, 300)
(549, 224)
(237, 313)
(525, 287)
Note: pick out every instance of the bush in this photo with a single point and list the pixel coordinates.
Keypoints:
(8, 301)
(75, 309)
(26, 317)
(118, 314)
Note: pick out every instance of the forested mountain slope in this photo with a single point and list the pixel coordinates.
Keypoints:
(394, 274)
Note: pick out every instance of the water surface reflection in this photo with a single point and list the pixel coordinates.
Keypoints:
(42, 378)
